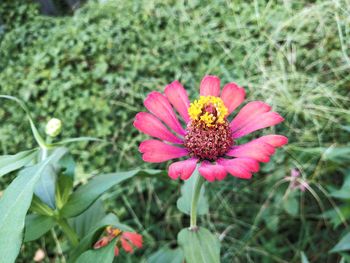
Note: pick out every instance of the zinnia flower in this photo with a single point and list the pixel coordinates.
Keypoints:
(128, 240)
(205, 134)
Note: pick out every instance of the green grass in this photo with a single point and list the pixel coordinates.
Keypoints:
(292, 54)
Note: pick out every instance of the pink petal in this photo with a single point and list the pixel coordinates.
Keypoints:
(152, 126)
(259, 149)
(155, 151)
(159, 106)
(248, 113)
(232, 96)
(256, 150)
(134, 238)
(116, 251)
(126, 245)
(274, 140)
(178, 97)
(183, 169)
(101, 243)
(210, 86)
(212, 171)
(259, 122)
(240, 167)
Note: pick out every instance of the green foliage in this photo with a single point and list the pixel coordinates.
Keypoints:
(36, 226)
(94, 69)
(184, 201)
(199, 246)
(83, 223)
(94, 232)
(16, 13)
(47, 179)
(14, 206)
(168, 255)
(87, 194)
(291, 204)
(105, 254)
(343, 244)
(10, 163)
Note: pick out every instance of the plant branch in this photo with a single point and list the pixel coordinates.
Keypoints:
(69, 232)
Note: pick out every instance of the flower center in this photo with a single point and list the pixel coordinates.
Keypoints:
(209, 110)
(208, 133)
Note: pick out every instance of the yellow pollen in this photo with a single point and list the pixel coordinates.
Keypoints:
(198, 110)
(113, 231)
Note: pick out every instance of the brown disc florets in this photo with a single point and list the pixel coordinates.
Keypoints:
(208, 143)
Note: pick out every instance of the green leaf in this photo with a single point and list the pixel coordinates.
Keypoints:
(10, 163)
(83, 223)
(344, 191)
(291, 205)
(342, 245)
(184, 202)
(46, 185)
(338, 214)
(88, 241)
(13, 207)
(35, 131)
(272, 222)
(339, 154)
(67, 164)
(199, 246)
(152, 173)
(104, 254)
(79, 139)
(65, 180)
(40, 208)
(167, 255)
(81, 199)
(36, 226)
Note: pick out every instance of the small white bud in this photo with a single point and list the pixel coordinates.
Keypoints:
(53, 127)
(39, 255)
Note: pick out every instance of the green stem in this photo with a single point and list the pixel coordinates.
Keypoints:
(69, 232)
(195, 198)
(35, 132)
(44, 153)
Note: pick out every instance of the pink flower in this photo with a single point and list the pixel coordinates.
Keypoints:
(205, 135)
(296, 182)
(104, 241)
(294, 173)
(128, 240)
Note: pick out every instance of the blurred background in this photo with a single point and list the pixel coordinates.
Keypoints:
(91, 64)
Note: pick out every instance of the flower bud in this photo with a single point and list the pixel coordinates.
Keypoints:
(53, 127)
(101, 243)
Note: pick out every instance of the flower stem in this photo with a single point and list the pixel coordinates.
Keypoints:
(69, 232)
(199, 180)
